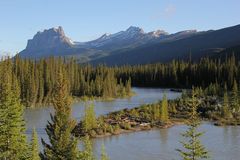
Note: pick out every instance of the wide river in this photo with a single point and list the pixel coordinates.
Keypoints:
(160, 144)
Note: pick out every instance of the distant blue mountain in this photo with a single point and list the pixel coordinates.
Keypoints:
(132, 46)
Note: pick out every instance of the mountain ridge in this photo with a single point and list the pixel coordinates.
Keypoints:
(132, 46)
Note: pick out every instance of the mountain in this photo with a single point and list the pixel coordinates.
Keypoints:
(200, 44)
(132, 46)
(54, 42)
(47, 43)
(133, 36)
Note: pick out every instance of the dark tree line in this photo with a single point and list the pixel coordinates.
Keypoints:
(183, 74)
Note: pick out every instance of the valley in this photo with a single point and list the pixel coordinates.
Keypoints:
(119, 80)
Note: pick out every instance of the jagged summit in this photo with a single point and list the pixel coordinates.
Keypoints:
(58, 30)
(132, 35)
(56, 38)
(134, 29)
(54, 42)
(49, 38)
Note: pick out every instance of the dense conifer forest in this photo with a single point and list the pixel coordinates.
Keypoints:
(37, 79)
(183, 74)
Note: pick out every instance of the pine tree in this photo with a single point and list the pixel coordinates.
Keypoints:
(225, 108)
(13, 145)
(63, 146)
(89, 120)
(103, 154)
(235, 98)
(128, 86)
(193, 149)
(34, 154)
(164, 109)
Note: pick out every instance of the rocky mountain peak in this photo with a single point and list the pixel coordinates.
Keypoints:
(49, 38)
(133, 29)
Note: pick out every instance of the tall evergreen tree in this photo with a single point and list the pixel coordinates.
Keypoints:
(89, 120)
(164, 109)
(13, 145)
(34, 152)
(235, 97)
(193, 149)
(225, 108)
(63, 146)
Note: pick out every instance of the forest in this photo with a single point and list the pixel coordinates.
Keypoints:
(37, 79)
(13, 140)
(210, 92)
(183, 74)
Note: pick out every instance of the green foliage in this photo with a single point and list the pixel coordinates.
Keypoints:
(164, 109)
(235, 97)
(37, 80)
(89, 120)
(193, 149)
(63, 146)
(37, 77)
(34, 153)
(225, 108)
(13, 144)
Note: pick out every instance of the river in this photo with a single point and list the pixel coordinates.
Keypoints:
(223, 142)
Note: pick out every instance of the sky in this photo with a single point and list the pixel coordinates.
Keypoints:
(84, 20)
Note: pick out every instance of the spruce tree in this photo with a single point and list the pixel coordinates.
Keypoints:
(193, 149)
(128, 86)
(225, 108)
(34, 152)
(89, 120)
(63, 146)
(235, 98)
(164, 110)
(13, 145)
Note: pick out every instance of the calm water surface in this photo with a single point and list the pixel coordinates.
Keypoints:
(160, 144)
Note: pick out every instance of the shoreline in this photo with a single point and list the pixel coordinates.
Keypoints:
(139, 129)
(170, 124)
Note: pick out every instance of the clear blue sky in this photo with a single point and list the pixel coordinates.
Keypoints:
(84, 20)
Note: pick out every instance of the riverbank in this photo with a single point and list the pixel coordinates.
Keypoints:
(147, 117)
(140, 128)
(125, 121)
(95, 98)
(96, 133)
